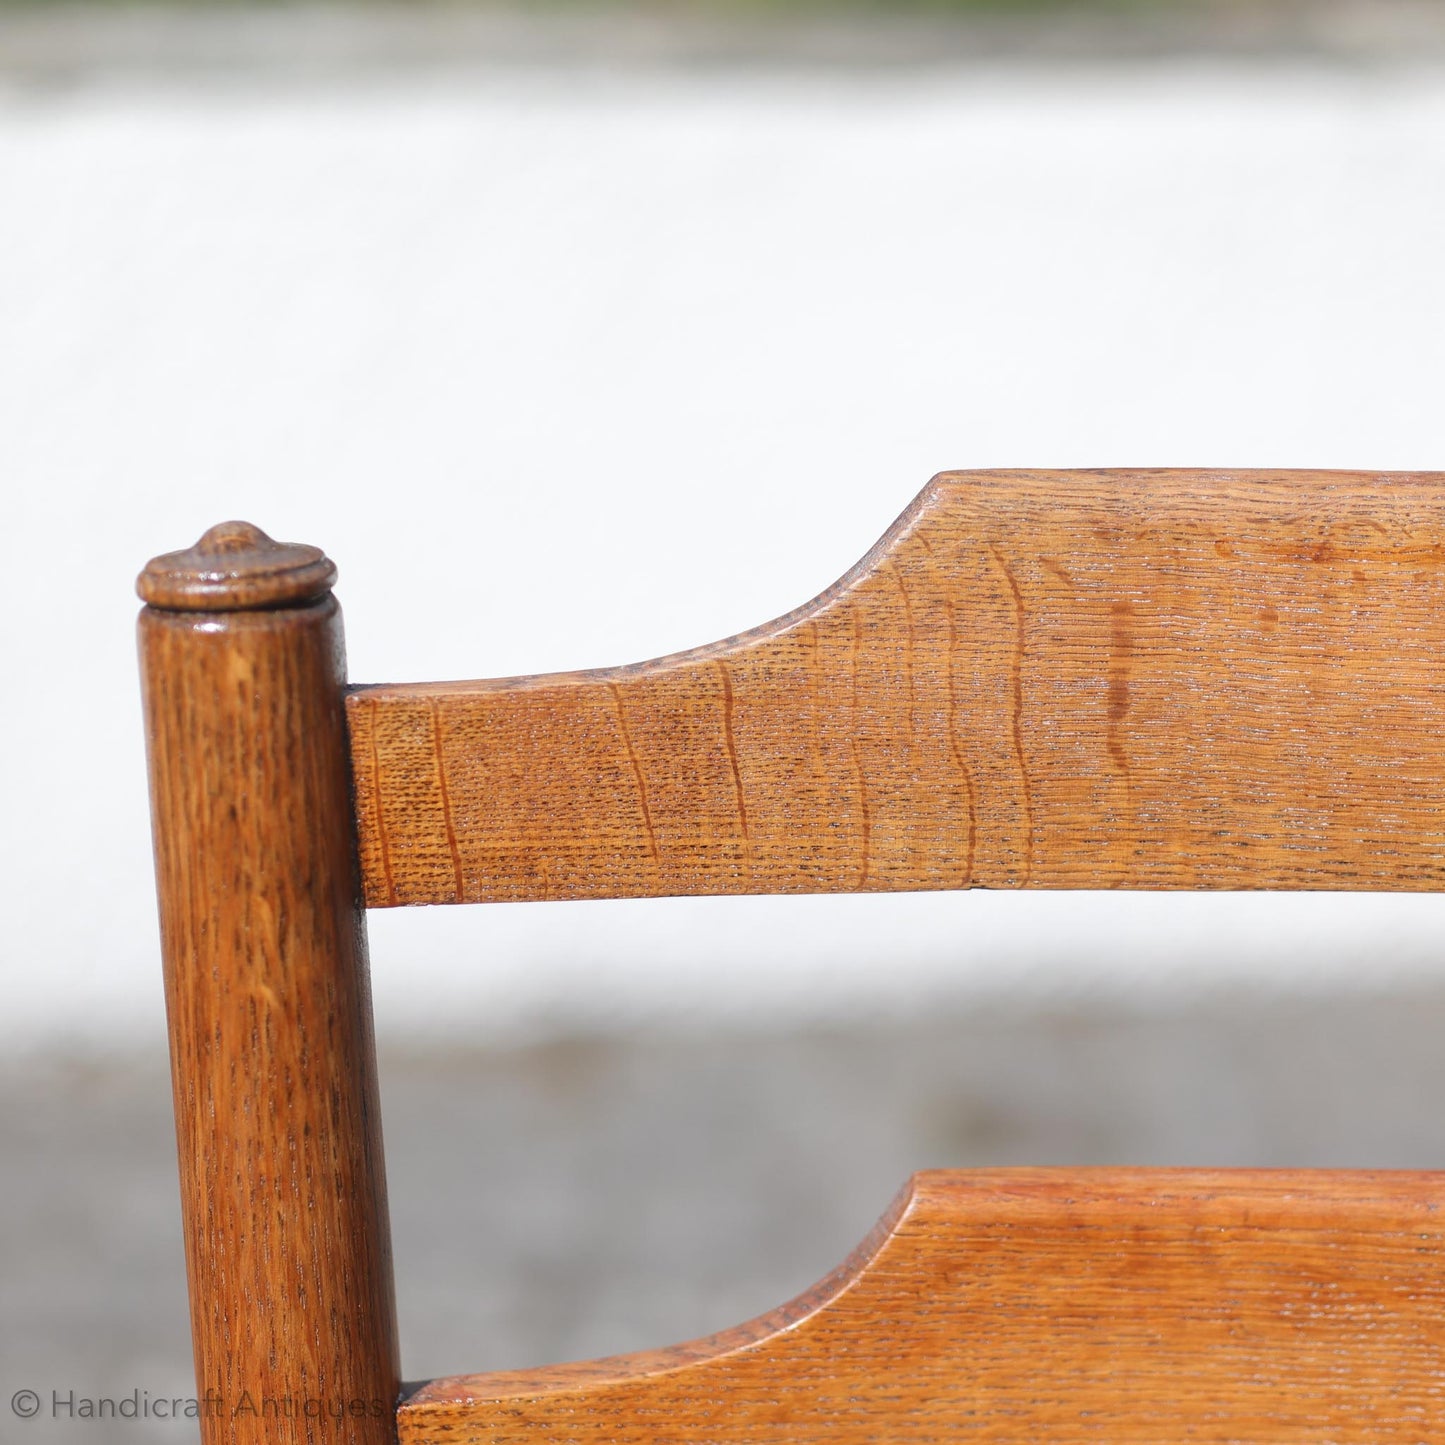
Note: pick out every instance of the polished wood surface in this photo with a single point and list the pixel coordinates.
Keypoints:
(282, 1187)
(1128, 1307)
(1036, 679)
(233, 567)
(1048, 679)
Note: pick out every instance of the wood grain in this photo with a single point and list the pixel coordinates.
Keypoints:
(1115, 1306)
(1124, 679)
(282, 1187)
(1035, 679)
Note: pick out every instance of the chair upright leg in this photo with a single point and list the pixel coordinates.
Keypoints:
(267, 994)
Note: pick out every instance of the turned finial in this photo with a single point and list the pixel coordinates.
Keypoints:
(236, 567)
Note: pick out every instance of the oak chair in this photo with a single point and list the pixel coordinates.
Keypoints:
(1172, 680)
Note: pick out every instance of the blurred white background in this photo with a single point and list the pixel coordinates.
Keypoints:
(569, 364)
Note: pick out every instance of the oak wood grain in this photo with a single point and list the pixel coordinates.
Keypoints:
(282, 1187)
(1135, 679)
(1119, 1306)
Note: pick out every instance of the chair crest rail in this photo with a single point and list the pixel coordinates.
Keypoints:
(1136, 679)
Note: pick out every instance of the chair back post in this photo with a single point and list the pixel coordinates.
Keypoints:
(267, 995)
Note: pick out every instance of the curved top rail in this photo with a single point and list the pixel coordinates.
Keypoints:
(1148, 679)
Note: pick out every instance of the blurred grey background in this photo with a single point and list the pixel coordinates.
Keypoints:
(579, 333)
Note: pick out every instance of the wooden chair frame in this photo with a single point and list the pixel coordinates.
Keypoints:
(1036, 679)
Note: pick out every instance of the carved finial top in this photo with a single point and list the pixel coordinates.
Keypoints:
(236, 567)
